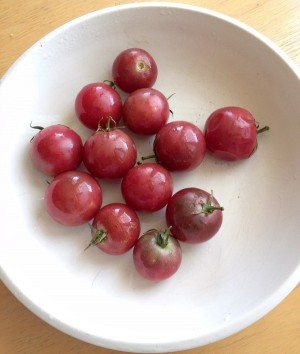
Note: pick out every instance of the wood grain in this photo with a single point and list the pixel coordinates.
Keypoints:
(23, 22)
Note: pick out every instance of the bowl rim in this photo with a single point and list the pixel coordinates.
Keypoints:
(160, 4)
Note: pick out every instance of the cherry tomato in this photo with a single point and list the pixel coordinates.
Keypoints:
(179, 146)
(95, 103)
(147, 187)
(56, 149)
(145, 111)
(194, 215)
(231, 133)
(73, 198)
(109, 153)
(134, 68)
(115, 229)
(157, 255)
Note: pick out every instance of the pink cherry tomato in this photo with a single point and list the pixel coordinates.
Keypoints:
(95, 103)
(157, 255)
(147, 187)
(73, 198)
(231, 133)
(109, 153)
(179, 146)
(194, 215)
(134, 68)
(115, 229)
(146, 111)
(56, 149)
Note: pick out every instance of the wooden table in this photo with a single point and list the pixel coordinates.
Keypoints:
(22, 23)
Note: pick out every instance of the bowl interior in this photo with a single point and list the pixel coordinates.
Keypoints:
(208, 61)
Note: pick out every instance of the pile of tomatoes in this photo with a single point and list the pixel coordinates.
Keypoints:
(74, 196)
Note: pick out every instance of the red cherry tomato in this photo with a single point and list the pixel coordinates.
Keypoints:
(179, 146)
(95, 103)
(194, 215)
(109, 153)
(147, 187)
(231, 133)
(157, 255)
(134, 68)
(115, 229)
(145, 111)
(56, 149)
(73, 198)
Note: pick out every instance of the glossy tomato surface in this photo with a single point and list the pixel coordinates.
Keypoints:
(194, 215)
(96, 103)
(147, 187)
(73, 198)
(56, 149)
(179, 146)
(109, 154)
(134, 68)
(230, 133)
(115, 228)
(157, 256)
(146, 111)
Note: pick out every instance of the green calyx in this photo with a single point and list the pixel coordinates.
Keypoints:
(161, 236)
(98, 237)
(208, 207)
(109, 126)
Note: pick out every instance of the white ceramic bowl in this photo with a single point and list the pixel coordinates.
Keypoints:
(224, 285)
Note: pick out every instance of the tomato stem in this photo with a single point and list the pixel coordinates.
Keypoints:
(208, 208)
(260, 130)
(98, 237)
(153, 156)
(162, 237)
(171, 96)
(172, 113)
(36, 126)
(263, 129)
(108, 126)
(111, 84)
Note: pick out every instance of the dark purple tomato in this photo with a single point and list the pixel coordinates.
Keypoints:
(134, 68)
(231, 133)
(147, 187)
(73, 198)
(146, 111)
(157, 255)
(56, 149)
(109, 154)
(115, 229)
(95, 103)
(194, 215)
(179, 146)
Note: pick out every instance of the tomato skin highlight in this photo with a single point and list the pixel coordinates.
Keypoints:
(231, 133)
(73, 198)
(56, 149)
(134, 68)
(121, 226)
(95, 103)
(154, 262)
(147, 187)
(109, 154)
(146, 111)
(179, 146)
(188, 223)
